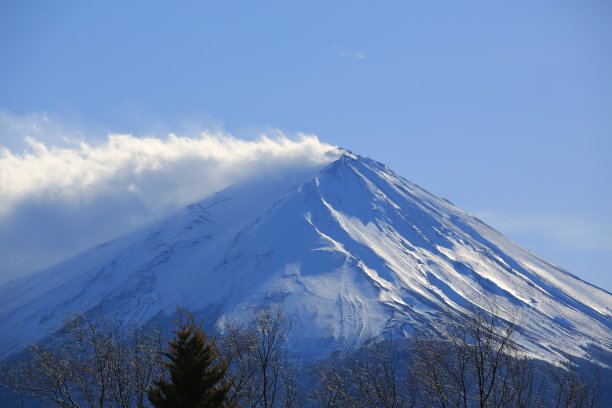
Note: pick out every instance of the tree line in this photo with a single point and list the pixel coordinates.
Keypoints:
(475, 362)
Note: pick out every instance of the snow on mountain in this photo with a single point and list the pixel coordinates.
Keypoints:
(351, 249)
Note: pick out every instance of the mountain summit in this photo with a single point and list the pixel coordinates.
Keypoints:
(351, 250)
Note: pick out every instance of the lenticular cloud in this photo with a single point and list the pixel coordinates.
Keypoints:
(56, 201)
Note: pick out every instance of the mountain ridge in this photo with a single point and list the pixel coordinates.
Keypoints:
(350, 249)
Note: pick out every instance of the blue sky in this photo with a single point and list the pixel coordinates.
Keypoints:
(504, 108)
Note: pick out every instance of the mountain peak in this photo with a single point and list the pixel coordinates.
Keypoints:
(346, 154)
(347, 159)
(357, 251)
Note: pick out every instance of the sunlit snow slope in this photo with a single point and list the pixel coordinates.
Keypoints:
(351, 249)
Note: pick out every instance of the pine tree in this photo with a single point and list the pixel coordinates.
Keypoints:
(195, 370)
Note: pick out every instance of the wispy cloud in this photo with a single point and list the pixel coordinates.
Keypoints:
(563, 230)
(358, 55)
(61, 192)
(15, 131)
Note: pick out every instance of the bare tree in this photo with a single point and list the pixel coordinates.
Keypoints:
(441, 380)
(476, 364)
(239, 345)
(48, 376)
(262, 373)
(574, 390)
(367, 377)
(91, 362)
(334, 381)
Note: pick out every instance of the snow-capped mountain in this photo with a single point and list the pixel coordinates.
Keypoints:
(351, 249)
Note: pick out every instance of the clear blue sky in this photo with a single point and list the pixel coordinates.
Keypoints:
(503, 107)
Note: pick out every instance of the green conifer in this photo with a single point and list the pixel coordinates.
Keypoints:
(195, 370)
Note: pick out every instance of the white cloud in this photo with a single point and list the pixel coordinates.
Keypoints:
(59, 191)
(359, 55)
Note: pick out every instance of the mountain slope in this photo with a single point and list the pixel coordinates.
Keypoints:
(351, 250)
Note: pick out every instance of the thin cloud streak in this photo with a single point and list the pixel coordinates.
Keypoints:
(566, 231)
(359, 55)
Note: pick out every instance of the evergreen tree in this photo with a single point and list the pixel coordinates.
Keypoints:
(195, 370)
